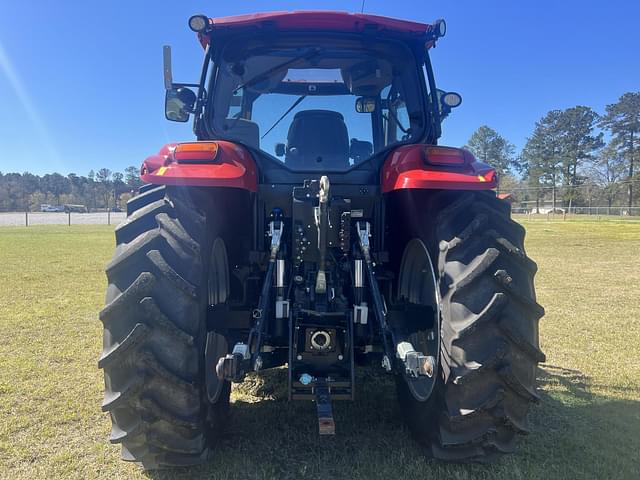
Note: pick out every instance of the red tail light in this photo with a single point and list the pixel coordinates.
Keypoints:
(196, 152)
(454, 157)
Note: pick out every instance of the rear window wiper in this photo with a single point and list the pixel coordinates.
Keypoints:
(307, 55)
(295, 104)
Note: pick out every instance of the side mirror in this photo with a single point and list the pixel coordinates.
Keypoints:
(178, 104)
(365, 104)
(360, 149)
(447, 101)
(280, 149)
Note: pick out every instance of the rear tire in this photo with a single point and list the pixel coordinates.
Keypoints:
(155, 332)
(489, 331)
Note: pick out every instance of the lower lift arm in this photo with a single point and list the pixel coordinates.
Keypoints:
(415, 363)
(235, 365)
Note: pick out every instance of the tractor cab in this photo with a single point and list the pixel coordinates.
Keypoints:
(327, 98)
(318, 109)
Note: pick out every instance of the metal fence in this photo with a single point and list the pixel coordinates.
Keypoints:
(26, 219)
(16, 219)
(594, 211)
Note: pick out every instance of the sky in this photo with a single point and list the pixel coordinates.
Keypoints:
(81, 82)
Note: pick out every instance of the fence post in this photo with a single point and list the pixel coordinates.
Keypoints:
(108, 217)
(69, 213)
(26, 219)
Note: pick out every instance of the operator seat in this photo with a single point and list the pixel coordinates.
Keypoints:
(317, 139)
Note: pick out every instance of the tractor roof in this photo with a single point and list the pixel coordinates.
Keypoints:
(318, 20)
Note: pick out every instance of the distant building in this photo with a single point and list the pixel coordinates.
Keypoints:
(544, 207)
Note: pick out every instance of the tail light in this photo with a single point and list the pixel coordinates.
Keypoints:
(447, 156)
(196, 152)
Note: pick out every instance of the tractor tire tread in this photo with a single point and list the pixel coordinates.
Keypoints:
(154, 382)
(489, 333)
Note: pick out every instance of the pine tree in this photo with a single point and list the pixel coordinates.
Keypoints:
(492, 148)
(622, 120)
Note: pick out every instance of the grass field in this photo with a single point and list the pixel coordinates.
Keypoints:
(586, 426)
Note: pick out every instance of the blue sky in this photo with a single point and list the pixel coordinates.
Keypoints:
(81, 82)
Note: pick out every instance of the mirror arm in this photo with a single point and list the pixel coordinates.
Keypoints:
(168, 74)
(166, 63)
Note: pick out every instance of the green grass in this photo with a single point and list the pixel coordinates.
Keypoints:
(586, 426)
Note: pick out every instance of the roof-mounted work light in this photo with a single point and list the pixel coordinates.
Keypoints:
(439, 28)
(199, 23)
(451, 99)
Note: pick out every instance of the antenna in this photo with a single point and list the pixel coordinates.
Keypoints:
(362, 6)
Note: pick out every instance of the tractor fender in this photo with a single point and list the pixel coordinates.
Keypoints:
(230, 166)
(413, 166)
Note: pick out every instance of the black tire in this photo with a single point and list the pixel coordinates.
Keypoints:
(489, 331)
(155, 333)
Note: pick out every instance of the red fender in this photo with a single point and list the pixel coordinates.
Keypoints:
(202, 164)
(435, 167)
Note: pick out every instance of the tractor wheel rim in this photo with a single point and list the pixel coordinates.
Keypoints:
(417, 279)
(417, 284)
(218, 277)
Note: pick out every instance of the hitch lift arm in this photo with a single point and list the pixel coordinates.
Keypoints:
(234, 366)
(415, 363)
(380, 311)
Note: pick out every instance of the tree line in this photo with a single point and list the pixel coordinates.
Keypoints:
(573, 157)
(99, 190)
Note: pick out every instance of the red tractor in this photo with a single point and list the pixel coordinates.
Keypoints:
(317, 224)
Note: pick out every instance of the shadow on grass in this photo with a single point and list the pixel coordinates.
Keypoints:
(575, 435)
